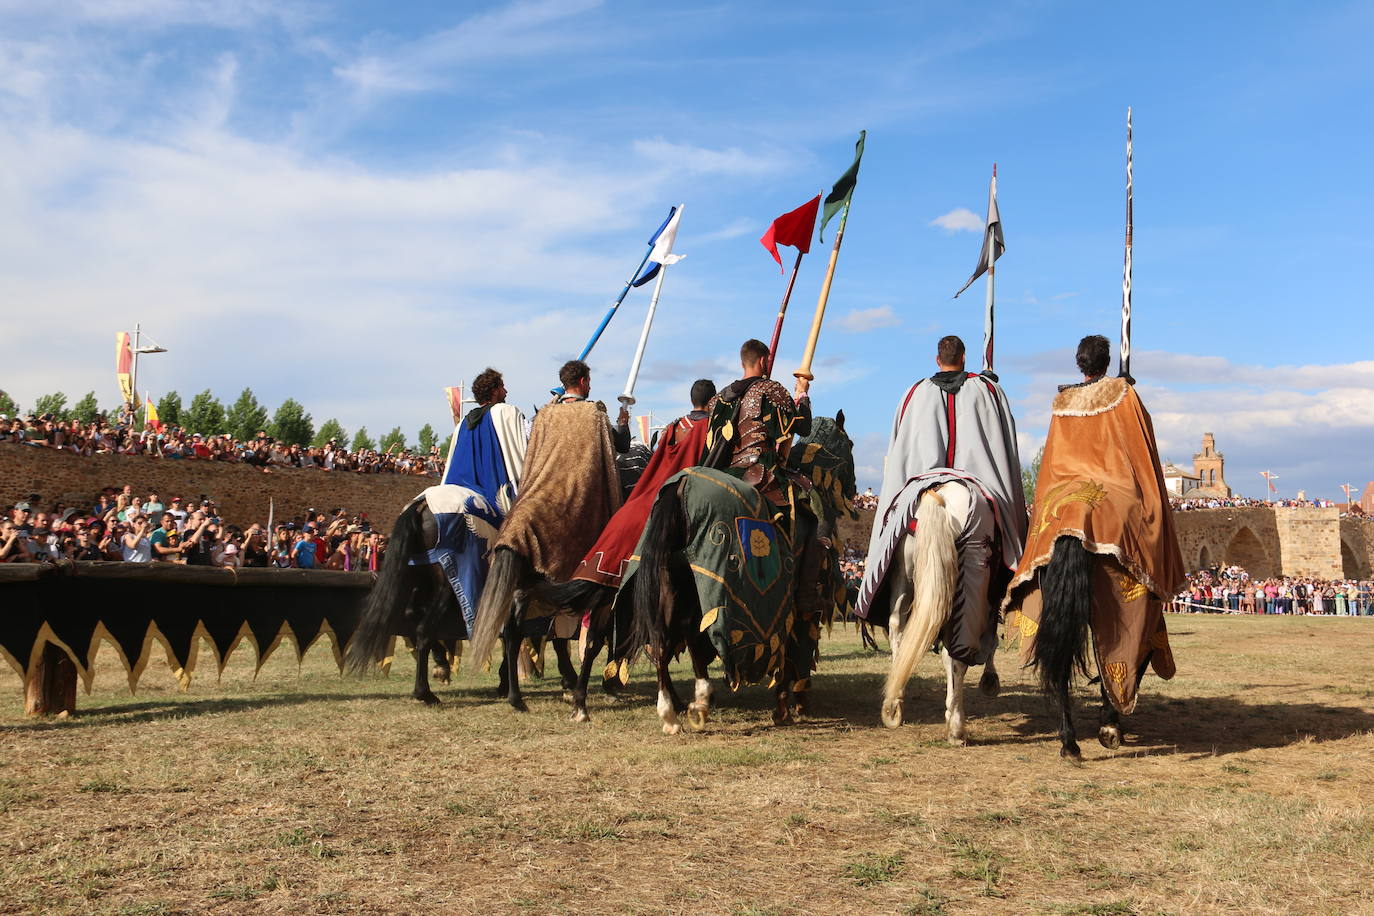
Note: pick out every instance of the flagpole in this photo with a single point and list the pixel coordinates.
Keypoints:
(628, 397)
(1126, 270)
(804, 371)
(988, 318)
(782, 312)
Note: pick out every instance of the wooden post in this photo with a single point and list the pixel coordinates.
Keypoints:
(51, 687)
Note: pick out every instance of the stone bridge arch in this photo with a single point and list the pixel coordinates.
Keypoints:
(1246, 550)
(1354, 561)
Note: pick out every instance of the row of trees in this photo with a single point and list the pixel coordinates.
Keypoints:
(243, 420)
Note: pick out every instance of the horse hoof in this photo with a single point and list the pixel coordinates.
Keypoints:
(671, 728)
(892, 713)
(782, 717)
(697, 714)
(519, 706)
(990, 685)
(569, 683)
(611, 688)
(1109, 736)
(1071, 753)
(580, 715)
(958, 741)
(567, 696)
(428, 699)
(440, 674)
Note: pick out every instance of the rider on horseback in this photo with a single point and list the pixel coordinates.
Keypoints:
(576, 379)
(954, 426)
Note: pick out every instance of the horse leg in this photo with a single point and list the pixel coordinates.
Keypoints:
(565, 665)
(1109, 724)
(512, 665)
(954, 697)
(668, 703)
(990, 684)
(700, 708)
(425, 645)
(1068, 738)
(596, 638)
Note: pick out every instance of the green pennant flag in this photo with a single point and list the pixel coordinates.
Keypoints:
(840, 194)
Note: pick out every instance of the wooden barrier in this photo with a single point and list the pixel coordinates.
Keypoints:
(53, 620)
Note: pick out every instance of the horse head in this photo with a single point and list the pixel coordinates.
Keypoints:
(826, 457)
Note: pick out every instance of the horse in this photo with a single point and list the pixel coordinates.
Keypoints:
(924, 591)
(415, 597)
(668, 613)
(1061, 642)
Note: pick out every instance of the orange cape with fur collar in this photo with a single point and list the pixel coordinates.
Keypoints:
(1101, 482)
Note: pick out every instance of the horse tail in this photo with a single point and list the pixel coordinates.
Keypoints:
(494, 609)
(384, 611)
(1061, 642)
(580, 595)
(935, 577)
(653, 588)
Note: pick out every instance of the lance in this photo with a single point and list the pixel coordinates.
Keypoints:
(1126, 271)
(782, 312)
(988, 318)
(804, 371)
(610, 312)
(664, 260)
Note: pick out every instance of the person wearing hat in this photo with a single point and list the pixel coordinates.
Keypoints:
(23, 513)
(303, 552)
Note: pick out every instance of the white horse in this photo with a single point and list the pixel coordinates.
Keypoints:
(923, 595)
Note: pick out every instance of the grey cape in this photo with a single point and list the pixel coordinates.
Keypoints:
(951, 426)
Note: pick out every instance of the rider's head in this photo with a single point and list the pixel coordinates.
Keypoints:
(703, 389)
(753, 356)
(949, 354)
(576, 377)
(489, 388)
(1094, 355)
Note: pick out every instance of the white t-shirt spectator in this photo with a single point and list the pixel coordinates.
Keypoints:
(141, 553)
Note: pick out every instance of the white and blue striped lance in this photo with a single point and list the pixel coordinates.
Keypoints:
(636, 279)
(1126, 270)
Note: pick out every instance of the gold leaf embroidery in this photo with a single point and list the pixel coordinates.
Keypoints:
(1117, 672)
(759, 545)
(1071, 491)
(1126, 586)
(709, 618)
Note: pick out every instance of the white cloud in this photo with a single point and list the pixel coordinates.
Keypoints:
(731, 230)
(859, 321)
(959, 220)
(698, 160)
(520, 30)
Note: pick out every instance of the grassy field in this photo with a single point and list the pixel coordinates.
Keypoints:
(1244, 786)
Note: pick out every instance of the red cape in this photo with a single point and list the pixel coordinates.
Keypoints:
(680, 446)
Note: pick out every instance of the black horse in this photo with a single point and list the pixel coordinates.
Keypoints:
(416, 601)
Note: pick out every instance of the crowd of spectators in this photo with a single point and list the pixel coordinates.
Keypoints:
(866, 500)
(120, 437)
(1179, 504)
(1231, 590)
(123, 526)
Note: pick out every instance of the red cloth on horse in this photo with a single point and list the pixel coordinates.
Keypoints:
(680, 446)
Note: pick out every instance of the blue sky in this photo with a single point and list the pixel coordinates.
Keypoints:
(356, 204)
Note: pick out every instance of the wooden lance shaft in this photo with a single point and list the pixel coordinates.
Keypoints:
(782, 312)
(805, 369)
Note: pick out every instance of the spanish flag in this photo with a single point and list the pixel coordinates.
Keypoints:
(150, 418)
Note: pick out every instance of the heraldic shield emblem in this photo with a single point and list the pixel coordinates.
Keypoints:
(761, 552)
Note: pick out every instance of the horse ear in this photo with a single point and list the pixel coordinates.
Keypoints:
(839, 420)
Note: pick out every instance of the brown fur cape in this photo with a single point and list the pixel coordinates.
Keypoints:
(568, 492)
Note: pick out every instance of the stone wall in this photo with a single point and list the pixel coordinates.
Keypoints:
(1278, 541)
(241, 492)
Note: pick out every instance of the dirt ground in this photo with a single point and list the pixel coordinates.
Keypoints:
(1244, 786)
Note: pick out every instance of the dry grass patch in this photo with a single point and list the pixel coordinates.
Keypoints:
(1243, 786)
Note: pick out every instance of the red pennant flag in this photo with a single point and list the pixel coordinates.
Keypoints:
(794, 228)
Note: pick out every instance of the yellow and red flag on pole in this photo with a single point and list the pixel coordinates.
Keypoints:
(150, 418)
(643, 422)
(455, 402)
(124, 366)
